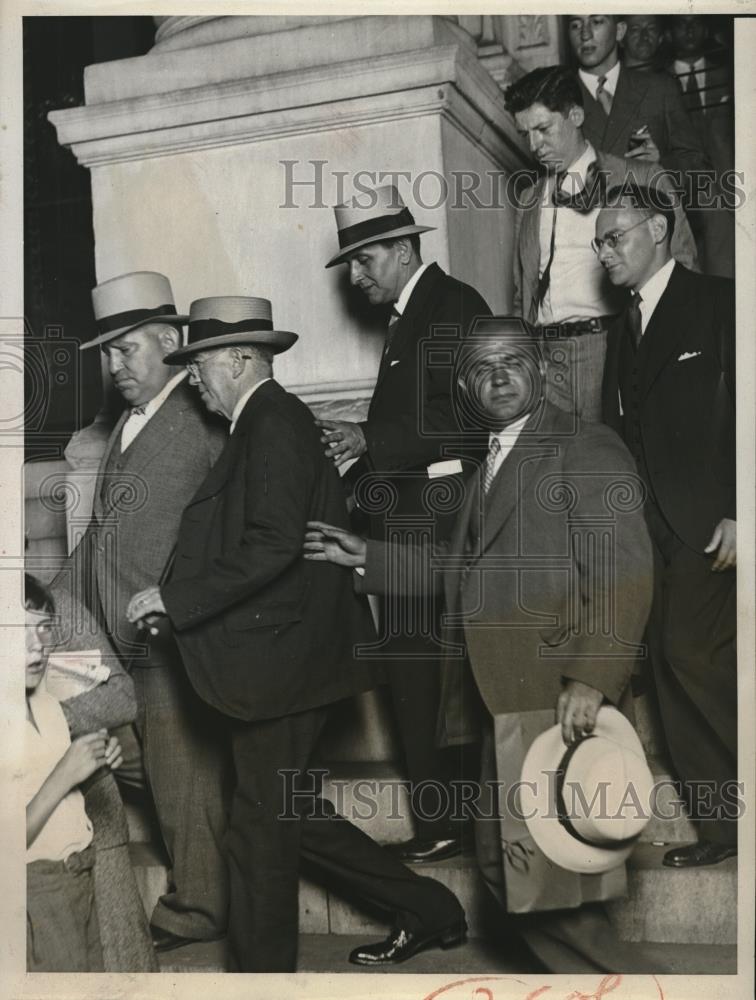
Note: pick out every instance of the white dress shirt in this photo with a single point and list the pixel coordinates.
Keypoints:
(683, 69)
(136, 422)
(68, 828)
(591, 81)
(401, 303)
(652, 291)
(578, 285)
(243, 402)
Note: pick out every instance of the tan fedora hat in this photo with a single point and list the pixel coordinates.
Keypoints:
(385, 218)
(128, 302)
(226, 320)
(593, 831)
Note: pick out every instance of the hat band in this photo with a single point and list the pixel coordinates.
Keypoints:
(562, 815)
(205, 329)
(374, 227)
(133, 316)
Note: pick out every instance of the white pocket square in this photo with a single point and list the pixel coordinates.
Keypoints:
(396, 362)
(689, 354)
(449, 468)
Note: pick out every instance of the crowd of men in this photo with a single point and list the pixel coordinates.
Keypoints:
(234, 539)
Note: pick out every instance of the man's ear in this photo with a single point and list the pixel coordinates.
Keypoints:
(621, 29)
(404, 249)
(169, 339)
(659, 228)
(576, 115)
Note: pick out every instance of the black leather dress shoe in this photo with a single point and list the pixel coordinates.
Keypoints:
(418, 851)
(403, 944)
(705, 852)
(166, 940)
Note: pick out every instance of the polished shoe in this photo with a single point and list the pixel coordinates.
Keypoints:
(163, 940)
(705, 852)
(419, 851)
(403, 944)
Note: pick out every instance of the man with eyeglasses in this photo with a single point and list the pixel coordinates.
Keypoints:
(669, 390)
(558, 283)
(161, 448)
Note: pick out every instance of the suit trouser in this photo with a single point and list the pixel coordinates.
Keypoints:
(271, 828)
(188, 772)
(691, 637)
(579, 940)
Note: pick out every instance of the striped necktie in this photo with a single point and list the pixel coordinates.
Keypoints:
(493, 453)
(603, 96)
(393, 320)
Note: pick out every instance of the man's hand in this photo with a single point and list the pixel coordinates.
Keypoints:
(647, 151)
(343, 439)
(724, 543)
(577, 707)
(146, 602)
(325, 543)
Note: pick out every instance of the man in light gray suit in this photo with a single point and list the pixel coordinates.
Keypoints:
(160, 450)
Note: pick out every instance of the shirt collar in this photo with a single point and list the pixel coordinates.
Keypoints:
(510, 433)
(243, 402)
(577, 172)
(401, 303)
(157, 401)
(655, 287)
(682, 66)
(591, 80)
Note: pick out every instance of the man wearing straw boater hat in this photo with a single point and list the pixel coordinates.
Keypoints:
(547, 580)
(161, 448)
(268, 640)
(409, 438)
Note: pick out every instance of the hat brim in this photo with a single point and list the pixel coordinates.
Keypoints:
(172, 318)
(557, 843)
(277, 341)
(392, 234)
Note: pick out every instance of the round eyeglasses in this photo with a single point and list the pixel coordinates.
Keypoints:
(612, 239)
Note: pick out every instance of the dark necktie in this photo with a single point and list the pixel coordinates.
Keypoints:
(587, 198)
(692, 93)
(391, 330)
(603, 96)
(545, 278)
(633, 318)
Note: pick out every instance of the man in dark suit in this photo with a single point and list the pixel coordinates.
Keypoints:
(559, 284)
(636, 115)
(511, 572)
(707, 89)
(161, 448)
(409, 438)
(269, 641)
(669, 389)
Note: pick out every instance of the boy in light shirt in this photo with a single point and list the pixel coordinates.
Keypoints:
(61, 926)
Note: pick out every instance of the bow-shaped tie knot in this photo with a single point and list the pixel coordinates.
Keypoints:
(585, 200)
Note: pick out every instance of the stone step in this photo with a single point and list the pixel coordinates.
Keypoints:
(375, 797)
(663, 904)
(329, 953)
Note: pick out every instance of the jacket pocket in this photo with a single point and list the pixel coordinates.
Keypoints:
(241, 621)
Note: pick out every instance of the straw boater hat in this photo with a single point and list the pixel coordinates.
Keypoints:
(386, 218)
(129, 301)
(600, 838)
(226, 320)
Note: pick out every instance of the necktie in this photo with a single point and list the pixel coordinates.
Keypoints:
(393, 320)
(634, 323)
(587, 198)
(493, 452)
(692, 93)
(603, 96)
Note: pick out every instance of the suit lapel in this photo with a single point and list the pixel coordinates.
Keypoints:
(409, 327)
(666, 328)
(458, 542)
(115, 436)
(629, 93)
(596, 120)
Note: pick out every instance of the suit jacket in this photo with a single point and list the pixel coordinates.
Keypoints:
(137, 508)
(263, 632)
(713, 117)
(528, 219)
(645, 99)
(687, 402)
(520, 586)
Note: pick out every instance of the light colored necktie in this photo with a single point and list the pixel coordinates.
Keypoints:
(603, 96)
(136, 420)
(493, 454)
